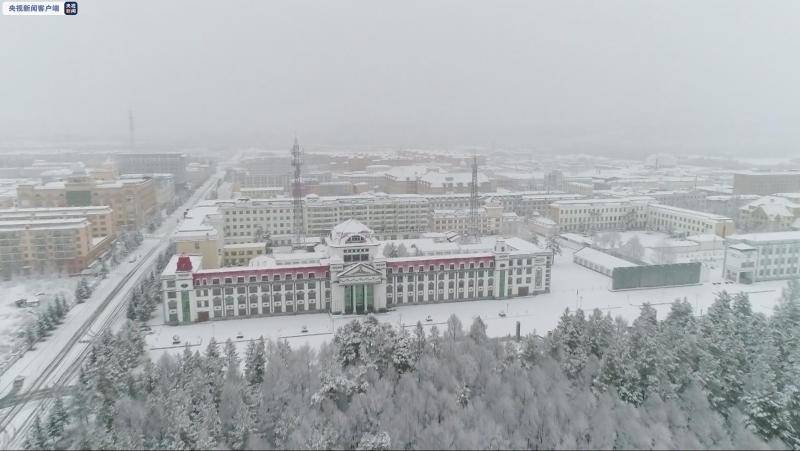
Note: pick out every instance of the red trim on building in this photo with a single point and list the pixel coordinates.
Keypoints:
(436, 260)
(319, 273)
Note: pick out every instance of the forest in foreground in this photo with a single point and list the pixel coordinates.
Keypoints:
(727, 379)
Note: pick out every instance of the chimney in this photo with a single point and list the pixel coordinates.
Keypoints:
(184, 264)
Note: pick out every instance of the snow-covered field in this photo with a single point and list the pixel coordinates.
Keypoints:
(12, 318)
(572, 286)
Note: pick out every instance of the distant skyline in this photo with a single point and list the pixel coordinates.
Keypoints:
(612, 77)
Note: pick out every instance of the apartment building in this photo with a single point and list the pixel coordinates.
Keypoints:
(523, 203)
(389, 216)
(101, 218)
(490, 220)
(46, 246)
(350, 274)
(755, 257)
(586, 215)
(665, 218)
(133, 201)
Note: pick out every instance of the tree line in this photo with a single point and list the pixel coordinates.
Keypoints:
(727, 379)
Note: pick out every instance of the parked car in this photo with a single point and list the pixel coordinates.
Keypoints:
(502, 314)
(239, 335)
(176, 340)
(304, 329)
(428, 318)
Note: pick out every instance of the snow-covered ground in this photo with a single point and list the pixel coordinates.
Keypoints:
(12, 318)
(572, 286)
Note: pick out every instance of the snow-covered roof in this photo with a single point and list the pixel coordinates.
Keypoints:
(602, 259)
(609, 200)
(793, 236)
(777, 206)
(686, 211)
(742, 247)
(48, 224)
(439, 179)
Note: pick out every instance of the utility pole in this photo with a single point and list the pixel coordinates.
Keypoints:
(474, 225)
(131, 131)
(297, 196)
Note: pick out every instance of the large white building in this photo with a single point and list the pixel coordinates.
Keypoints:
(389, 216)
(350, 273)
(585, 215)
(635, 213)
(665, 218)
(755, 257)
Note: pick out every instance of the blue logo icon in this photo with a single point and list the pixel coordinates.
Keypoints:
(70, 8)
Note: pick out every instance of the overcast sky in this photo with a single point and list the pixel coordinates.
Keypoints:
(590, 75)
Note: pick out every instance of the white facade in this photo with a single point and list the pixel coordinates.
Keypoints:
(762, 256)
(665, 218)
(351, 273)
(585, 215)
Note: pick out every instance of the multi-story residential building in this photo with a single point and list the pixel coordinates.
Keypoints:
(765, 183)
(585, 215)
(132, 200)
(665, 218)
(150, 163)
(248, 220)
(350, 274)
(535, 204)
(490, 220)
(163, 183)
(389, 216)
(756, 257)
(101, 218)
(770, 213)
(63, 245)
(523, 203)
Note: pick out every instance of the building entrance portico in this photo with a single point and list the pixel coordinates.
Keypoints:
(359, 299)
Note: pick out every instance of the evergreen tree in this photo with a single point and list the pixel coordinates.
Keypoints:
(131, 311)
(57, 420)
(477, 331)
(37, 436)
(255, 359)
(232, 360)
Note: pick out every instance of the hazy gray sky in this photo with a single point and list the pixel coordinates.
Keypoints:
(667, 75)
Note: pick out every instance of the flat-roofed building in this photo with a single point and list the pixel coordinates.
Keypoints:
(764, 183)
(133, 201)
(665, 218)
(585, 215)
(755, 257)
(42, 246)
(101, 218)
